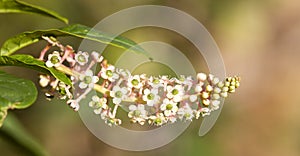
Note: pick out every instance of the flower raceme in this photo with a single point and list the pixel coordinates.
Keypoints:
(155, 100)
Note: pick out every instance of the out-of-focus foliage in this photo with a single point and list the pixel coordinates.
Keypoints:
(27, 38)
(15, 6)
(15, 93)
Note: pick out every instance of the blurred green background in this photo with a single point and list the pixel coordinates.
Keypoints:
(258, 39)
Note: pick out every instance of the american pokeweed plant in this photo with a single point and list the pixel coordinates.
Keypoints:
(149, 99)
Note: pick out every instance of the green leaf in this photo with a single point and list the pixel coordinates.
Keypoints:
(28, 61)
(15, 93)
(14, 132)
(3, 114)
(15, 6)
(77, 30)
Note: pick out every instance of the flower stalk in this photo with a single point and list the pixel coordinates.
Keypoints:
(157, 100)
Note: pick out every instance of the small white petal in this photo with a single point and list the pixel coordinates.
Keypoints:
(175, 108)
(82, 85)
(146, 91)
(132, 107)
(91, 85)
(103, 75)
(177, 98)
(215, 81)
(167, 113)
(150, 104)
(225, 89)
(216, 96)
(220, 84)
(154, 91)
(124, 90)
(169, 88)
(89, 73)
(95, 79)
(95, 98)
(224, 94)
(97, 111)
(116, 101)
(44, 81)
(198, 88)
(169, 95)
(211, 77)
(163, 107)
(49, 64)
(193, 98)
(116, 88)
(217, 90)
(215, 103)
(112, 93)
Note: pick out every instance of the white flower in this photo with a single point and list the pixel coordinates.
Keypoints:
(172, 118)
(169, 107)
(216, 96)
(175, 93)
(165, 80)
(64, 90)
(197, 113)
(185, 112)
(107, 116)
(97, 57)
(198, 88)
(124, 73)
(220, 84)
(157, 120)
(201, 76)
(108, 73)
(134, 82)
(118, 94)
(151, 96)
(113, 121)
(217, 90)
(215, 81)
(187, 81)
(44, 80)
(137, 113)
(82, 58)
(155, 82)
(53, 59)
(98, 104)
(87, 80)
(205, 112)
(224, 94)
(215, 104)
(73, 104)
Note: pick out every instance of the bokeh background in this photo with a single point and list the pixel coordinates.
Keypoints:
(259, 40)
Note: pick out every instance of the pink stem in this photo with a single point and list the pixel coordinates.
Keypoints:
(44, 51)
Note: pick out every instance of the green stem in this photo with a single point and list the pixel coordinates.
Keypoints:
(14, 133)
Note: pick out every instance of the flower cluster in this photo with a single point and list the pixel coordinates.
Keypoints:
(153, 100)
